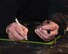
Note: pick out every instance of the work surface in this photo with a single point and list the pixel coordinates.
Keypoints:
(26, 48)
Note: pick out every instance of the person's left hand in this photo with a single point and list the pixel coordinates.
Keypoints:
(47, 31)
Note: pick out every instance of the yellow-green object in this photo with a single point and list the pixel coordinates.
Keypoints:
(27, 41)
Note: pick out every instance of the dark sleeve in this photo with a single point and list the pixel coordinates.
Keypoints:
(58, 12)
(8, 10)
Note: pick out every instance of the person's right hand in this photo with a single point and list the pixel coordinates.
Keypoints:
(16, 32)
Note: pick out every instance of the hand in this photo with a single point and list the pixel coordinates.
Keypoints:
(16, 32)
(47, 31)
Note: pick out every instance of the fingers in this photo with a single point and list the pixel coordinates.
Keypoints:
(50, 26)
(40, 34)
(16, 35)
(21, 32)
(44, 35)
(25, 30)
(16, 32)
(11, 37)
(43, 30)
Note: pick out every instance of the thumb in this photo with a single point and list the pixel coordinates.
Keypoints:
(47, 28)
